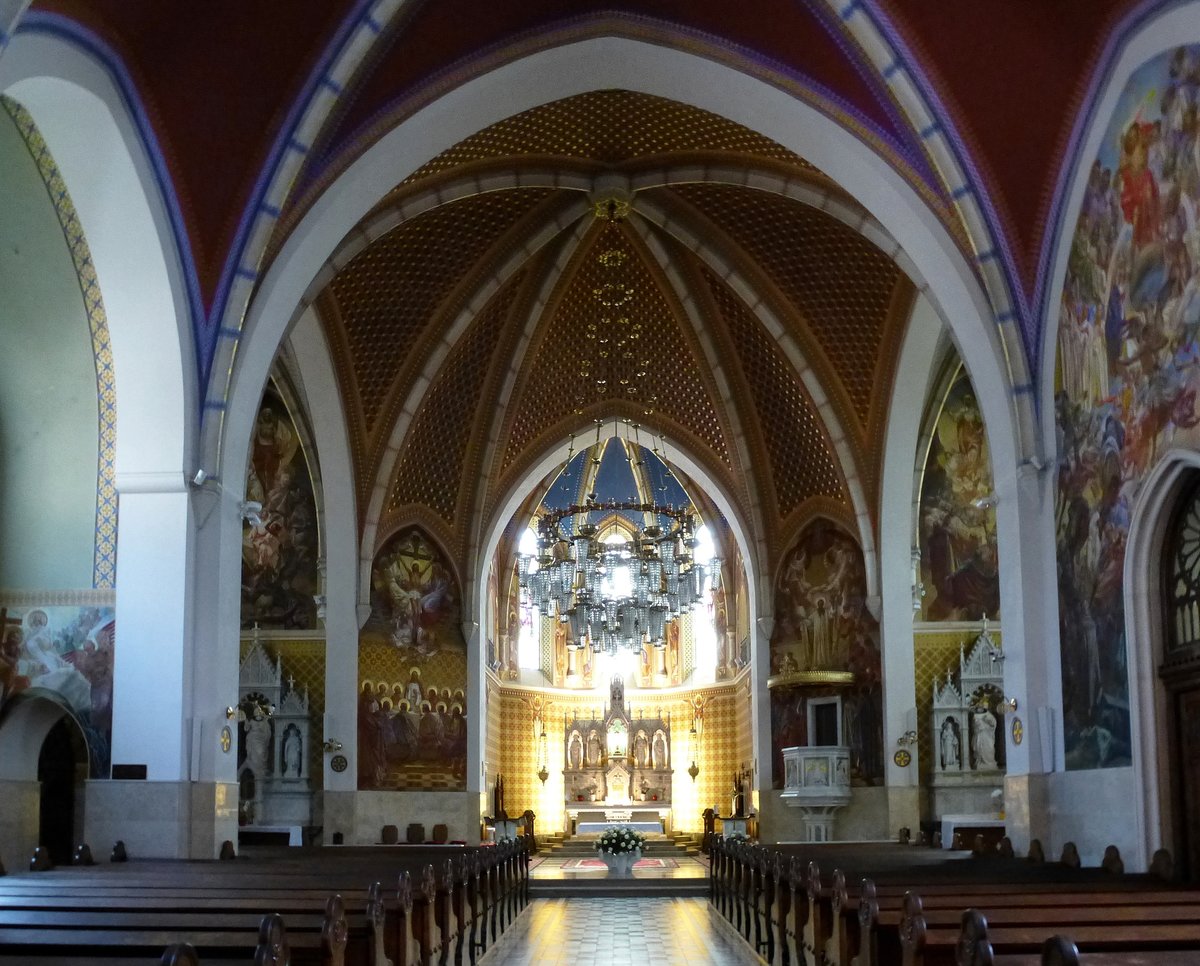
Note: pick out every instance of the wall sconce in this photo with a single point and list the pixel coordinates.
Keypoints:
(543, 772)
(331, 745)
(908, 738)
(1008, 705)
(693, 742)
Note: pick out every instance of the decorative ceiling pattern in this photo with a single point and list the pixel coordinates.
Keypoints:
(391, 290)
(429, 471)
(608, 127)
(802, 462)
(839, 284)
(612, 293)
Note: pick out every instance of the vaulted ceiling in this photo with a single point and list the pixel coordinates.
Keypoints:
(603, 258)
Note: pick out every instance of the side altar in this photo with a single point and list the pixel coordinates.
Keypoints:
(617, 766)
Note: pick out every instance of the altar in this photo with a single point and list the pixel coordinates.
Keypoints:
(591, 820)
(617, 766)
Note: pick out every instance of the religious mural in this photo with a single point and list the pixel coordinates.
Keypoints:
(957, 515)
(67, 651)
(1128, 375)
(412, 725)
(280, 549)
(822, 624)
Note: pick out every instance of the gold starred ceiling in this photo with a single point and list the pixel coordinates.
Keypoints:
(473, 336)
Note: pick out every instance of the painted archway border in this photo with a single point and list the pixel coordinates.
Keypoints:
(104, 555)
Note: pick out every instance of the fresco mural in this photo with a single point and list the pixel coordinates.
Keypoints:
(957, 514)
(822, 624)
(412, 724)
(280, 550)
(1127, 378)
(67, 651)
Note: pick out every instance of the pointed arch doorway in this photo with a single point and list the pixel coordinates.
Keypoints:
(1179, 670)
(44, 759)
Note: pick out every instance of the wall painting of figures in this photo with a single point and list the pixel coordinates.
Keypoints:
(957, 513)
(412, 661)
(68, 652)
(281, 549)
(1127, 378)
(822, 624)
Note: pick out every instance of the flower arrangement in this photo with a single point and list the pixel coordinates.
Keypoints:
(619, 840)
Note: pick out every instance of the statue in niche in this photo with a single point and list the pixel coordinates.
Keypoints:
(291, 753)
(984, 739)
(575, 752)
(593, 748)
(258, 742)
(641, 750)
(660, 751)
(950, 745)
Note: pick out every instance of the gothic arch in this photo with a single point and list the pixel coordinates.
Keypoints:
(1150, 711)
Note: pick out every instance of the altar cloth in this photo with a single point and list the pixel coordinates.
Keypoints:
(583, 828)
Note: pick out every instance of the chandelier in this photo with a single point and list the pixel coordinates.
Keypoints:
(616, 593)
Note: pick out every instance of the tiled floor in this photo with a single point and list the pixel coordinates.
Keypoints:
(618, 932)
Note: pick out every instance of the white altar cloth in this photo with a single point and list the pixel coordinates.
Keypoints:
(951, 822)
(583, 828)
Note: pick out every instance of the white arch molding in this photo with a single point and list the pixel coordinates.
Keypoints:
(1150, 711)
(596, 64)
(89, 123)
(26, 722)
(757, 580)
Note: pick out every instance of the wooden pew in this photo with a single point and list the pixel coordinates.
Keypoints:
(157, 888)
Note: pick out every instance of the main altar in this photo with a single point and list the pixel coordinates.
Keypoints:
(617, 766)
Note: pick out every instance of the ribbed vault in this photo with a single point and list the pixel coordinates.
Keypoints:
(614, 257)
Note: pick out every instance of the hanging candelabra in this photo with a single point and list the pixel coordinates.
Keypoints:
(616, 593)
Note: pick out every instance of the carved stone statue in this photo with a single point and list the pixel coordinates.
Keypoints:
(984, 739)
(291, 754)
(660, 751)
(593, 748)
(641, 750)
(575, 753)
(258, 743)
(950, 745)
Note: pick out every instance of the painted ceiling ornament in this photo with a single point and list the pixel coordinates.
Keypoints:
(612, 209)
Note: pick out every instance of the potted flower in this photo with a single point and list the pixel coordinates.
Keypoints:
(620, 847)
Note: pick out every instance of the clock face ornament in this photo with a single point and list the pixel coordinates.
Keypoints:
(338, 763)
(226, 739)
(902, 758)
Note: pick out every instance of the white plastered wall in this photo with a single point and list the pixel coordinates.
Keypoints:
(98, 146)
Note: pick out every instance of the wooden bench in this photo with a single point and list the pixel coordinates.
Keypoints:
(450, 915)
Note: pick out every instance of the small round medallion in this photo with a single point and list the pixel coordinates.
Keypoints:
(226, 739)
(1018, 731)
(902, 758)
(338, 763)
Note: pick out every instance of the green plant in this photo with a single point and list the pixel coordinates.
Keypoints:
(619, 840)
